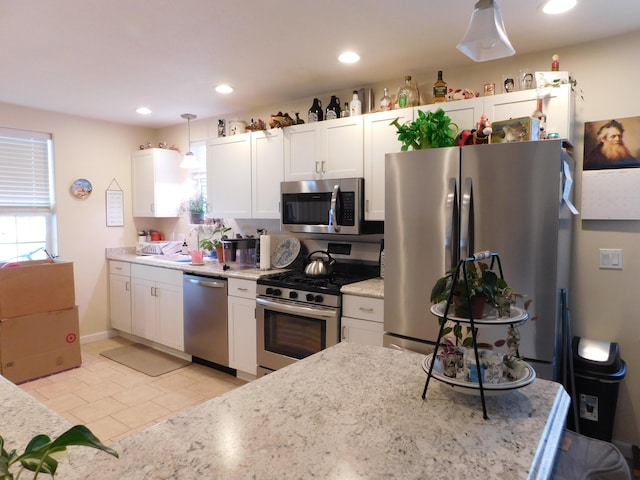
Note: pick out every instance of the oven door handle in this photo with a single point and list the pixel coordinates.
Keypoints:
(313, 312)
(333, 213)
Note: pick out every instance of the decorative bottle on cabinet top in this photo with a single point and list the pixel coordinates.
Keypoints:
(333, 109)
(345, 110)
(315, 112)
(555, 63)
(542, 118)
(356, 104)
(408, 94)
(385, 101)
(439, 89)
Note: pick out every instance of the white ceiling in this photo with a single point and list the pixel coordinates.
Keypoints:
(104, 58)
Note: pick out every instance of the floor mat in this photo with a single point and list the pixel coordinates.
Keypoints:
(145, 359)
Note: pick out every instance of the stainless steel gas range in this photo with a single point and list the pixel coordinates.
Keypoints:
(298, 314)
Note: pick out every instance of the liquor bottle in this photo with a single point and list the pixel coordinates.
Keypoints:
(385, 101)
(356, 105)
(333, 109)
(555, 63)
(345, 110)
(439, 89)
(408, 94)
(315, 112)
(542, 118)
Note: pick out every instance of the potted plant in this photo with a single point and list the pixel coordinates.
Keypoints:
(197, 208)
(214, 241)
(429, 130)
(41, 452)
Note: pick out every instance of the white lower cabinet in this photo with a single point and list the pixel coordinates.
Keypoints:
(156, 305)
(120, 295)
(362, 320)
(241, 306)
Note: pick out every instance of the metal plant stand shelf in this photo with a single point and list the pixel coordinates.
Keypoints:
(518, 316)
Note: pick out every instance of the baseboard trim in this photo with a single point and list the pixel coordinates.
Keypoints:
(94, 337)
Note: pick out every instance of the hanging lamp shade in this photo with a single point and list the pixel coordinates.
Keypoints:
(189, 160)
(486, 38)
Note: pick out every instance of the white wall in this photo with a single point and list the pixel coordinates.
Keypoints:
(606, 73)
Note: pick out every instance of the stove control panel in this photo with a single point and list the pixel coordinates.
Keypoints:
(299, 296)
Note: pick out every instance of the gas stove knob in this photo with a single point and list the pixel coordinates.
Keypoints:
(269, 291)
(277, 292)
(318, 298)
(309, 297)
(293, 294)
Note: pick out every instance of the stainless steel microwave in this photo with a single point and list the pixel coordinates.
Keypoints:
(326, 206)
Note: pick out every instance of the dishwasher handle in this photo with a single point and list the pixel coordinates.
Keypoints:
(209, 283)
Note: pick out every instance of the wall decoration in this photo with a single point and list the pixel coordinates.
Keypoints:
(611, 177)
(81, 188)
(114, 204)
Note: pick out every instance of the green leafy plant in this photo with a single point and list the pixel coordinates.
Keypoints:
(429, 130)
(39, 455)
(198, 204)
(215, 238)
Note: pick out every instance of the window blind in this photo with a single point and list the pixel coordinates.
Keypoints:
(25, 163)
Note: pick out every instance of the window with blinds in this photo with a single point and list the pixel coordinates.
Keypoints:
(27, 200)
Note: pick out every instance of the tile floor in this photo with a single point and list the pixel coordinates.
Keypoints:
(115, 401)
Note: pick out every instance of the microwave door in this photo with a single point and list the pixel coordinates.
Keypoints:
(333, 211)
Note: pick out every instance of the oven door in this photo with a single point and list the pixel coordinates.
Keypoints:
(289, 331)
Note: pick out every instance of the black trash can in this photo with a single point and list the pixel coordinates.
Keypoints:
(598, 371)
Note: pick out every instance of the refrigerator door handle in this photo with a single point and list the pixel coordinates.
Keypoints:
(466, 219)
(451, 207)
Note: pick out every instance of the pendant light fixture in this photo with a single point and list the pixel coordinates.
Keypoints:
(189, 160)
(486, 38)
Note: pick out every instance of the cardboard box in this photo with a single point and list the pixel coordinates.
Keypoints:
(36, 286)
(40, 344)
(521, 129)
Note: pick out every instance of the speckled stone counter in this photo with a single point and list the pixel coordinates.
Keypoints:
(373, 287)
(210, 267)
(349, 412)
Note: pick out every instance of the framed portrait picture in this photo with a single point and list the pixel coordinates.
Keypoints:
(508, 83)
(526, 79)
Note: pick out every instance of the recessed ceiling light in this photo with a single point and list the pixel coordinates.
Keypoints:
(553, 7)
(349, 57)
(224, 89)
(143, 111)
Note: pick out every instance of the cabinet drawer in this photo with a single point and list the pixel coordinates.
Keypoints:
(119, 268)
(363, 307)
(157, 274)
(242, 288)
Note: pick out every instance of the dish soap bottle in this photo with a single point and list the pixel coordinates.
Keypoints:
(185, 248)
(315, 112)
(355, 105)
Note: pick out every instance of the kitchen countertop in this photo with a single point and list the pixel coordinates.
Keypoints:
(373, 287)
(350, 411)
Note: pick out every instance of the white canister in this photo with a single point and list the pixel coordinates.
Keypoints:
(236, 127)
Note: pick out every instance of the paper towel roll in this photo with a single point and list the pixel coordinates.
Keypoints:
(265, 252)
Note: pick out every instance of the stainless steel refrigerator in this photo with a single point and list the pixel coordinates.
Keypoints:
(444, 204)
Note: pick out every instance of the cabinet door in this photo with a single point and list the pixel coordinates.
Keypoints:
(557, 105)
(302, 152)
(342, 148)
(143, 308)
(267, 171)
(229, 176)
(464, 113)
(362, 331)
(380, 138)
(156, 179)
(170, 327)
(242, 334)
(120, 302)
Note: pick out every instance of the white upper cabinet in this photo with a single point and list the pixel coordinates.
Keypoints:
(464, 113)
(267, 169)
(380, 138)
(229, 176)
(156, 178)
(244, 174)
(329, 149)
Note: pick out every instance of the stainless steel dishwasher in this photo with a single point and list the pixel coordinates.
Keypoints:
(205, 319)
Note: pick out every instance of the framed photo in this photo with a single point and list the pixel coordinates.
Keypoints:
(526, 79)
(508, 83)
(613, 143)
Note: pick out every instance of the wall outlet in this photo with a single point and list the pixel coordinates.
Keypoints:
(611, 258)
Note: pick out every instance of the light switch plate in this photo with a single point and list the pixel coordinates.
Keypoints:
(611, 258)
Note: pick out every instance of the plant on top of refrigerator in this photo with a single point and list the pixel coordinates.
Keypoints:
(429, 130)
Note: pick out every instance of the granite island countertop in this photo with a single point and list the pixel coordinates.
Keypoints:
(349, 412)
